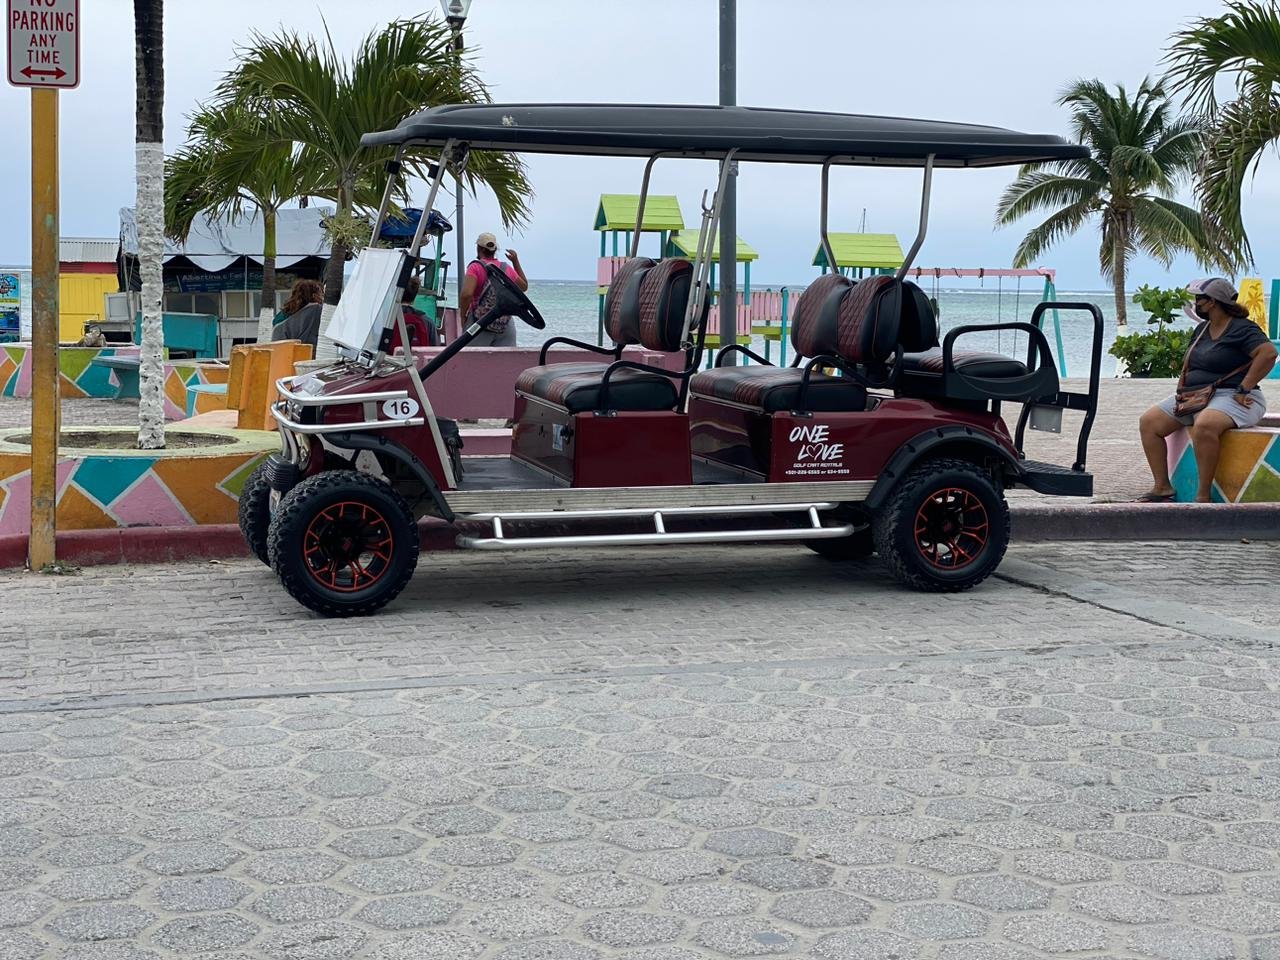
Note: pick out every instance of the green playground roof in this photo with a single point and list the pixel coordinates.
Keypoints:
(861, 250)
(685, 244)
(617, 211)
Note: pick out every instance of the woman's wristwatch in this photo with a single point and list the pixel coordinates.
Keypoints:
(1243, 389)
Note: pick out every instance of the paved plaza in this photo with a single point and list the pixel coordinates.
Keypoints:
(666, 755)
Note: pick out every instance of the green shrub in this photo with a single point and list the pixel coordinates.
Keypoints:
(1159, 352)
(1153, 354)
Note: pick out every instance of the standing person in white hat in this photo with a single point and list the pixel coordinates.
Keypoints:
(500, 332)
(1218, 390)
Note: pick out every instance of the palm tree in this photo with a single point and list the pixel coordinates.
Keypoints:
(1139, 154)
(318, 98)
(148, 28)
(1243, 44)
(233, 160)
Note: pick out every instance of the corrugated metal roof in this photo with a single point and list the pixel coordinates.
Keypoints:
(88, 249)
(862, 250)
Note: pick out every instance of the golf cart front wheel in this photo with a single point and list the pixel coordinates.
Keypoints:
(254, 511)
(945, 528)
(343, 543)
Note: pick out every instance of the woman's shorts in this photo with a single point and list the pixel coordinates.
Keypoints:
(1225, 401)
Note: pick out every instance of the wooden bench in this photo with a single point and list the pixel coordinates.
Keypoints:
(1248, 468)
(127, 374)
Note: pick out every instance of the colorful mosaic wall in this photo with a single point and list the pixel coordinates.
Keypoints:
(181, 400)
(1248, 469)
(79, 376)
(126, 488)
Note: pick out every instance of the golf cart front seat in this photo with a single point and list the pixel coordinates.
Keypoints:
(645, 305)
(853, 324)
(967, 375)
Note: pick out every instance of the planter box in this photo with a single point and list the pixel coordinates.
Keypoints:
(103, 489)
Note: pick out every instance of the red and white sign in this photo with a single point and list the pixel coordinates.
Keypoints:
(44, 43)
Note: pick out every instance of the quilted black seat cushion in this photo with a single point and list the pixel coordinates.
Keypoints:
(772, 389)
(989, 366)
(576, 387)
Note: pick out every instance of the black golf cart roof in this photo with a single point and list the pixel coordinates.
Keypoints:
(792, 136)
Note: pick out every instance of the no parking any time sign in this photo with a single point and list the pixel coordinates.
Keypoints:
(44, 43)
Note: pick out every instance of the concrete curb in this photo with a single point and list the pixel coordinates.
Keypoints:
(1145, 521)
(1031, 522)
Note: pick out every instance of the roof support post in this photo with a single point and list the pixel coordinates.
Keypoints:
(822, 216)
(727, 195)
(445, 152)
(634, 251)
(924, 218)
(393, 176)
(706, 250)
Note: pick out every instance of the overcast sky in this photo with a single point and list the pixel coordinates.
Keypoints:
(1000, 62)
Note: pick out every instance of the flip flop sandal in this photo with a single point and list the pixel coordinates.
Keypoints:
(1155, 498)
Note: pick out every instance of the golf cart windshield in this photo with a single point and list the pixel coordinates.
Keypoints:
(757, 134)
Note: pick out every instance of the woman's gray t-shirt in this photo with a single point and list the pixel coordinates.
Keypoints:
(1211, 359)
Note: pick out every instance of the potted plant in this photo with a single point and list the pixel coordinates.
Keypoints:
(1158, 352)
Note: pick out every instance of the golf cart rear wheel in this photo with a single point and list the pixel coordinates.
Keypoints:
(344, 544)
(945, 528)
(254, 512)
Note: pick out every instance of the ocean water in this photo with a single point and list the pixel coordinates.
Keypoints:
(571, 309)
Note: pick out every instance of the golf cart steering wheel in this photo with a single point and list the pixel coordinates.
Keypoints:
(502, 298)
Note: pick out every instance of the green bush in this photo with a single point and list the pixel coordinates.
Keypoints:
(1156, 354)
(1159, 352)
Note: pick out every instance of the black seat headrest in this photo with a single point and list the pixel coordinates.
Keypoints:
(919, 329)
(622, 302)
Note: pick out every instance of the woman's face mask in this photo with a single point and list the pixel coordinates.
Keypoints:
(1202, 308)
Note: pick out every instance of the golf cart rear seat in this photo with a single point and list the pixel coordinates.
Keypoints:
(970, 375)
(837, 323)
(645, 305)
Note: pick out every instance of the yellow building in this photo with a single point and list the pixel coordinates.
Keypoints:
(87, 272)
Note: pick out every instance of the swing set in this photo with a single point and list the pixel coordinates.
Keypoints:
(1049, 294)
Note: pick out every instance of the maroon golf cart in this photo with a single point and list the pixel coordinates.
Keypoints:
(878, 438)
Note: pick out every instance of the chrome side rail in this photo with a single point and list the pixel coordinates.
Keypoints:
(305, 401)
(500, 541)
(717, 511)
(282, 418)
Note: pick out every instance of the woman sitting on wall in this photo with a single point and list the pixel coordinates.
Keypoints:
(1218, 390)
(302, 313)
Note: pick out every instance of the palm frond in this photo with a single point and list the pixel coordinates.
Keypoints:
(1057, 227)
(1041, 191)
(1243, 42)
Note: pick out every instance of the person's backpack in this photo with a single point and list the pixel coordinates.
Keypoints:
(500, 300)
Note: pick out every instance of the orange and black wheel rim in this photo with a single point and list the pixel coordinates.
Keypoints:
(348, 547)
(951, 528)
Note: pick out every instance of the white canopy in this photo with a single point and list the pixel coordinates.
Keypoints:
(214, 245)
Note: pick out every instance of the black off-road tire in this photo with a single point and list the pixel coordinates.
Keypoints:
(325, 518)
(254, 512)
(936, 494)
(857, 546)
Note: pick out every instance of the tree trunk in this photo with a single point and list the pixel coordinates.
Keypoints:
(267, 312)
(1118, 263)
(326, 349)
(148, 23)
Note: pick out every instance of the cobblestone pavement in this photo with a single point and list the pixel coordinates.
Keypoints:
(598, 757)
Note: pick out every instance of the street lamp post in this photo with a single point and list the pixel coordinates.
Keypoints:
(455, 14)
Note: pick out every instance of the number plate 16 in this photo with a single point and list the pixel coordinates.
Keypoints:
(404, 409)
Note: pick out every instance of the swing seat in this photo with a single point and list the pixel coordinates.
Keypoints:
(969, 375)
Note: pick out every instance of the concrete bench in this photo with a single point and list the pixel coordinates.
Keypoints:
(1248, 469)
(127, 375)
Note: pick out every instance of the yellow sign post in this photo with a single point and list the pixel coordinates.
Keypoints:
(45, 404)
(44, 54)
